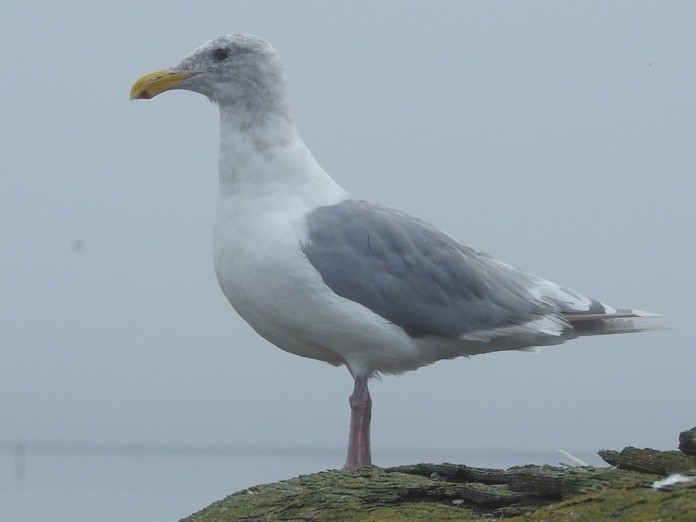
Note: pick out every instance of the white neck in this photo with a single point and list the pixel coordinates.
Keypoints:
(268, 157)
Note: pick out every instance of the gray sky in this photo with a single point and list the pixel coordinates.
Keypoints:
(558, 137)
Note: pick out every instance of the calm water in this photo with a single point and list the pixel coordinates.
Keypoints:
(154, 487)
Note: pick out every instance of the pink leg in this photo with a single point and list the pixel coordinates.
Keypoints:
(359, 454)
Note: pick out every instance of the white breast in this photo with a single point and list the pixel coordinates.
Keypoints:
(265, 194)
(271, 284)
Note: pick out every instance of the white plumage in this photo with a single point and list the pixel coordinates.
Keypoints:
(324, 276)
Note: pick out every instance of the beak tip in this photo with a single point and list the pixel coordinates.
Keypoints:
(140, 94)
(156, 83)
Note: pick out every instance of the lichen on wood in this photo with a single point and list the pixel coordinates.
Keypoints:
(687, 442)
(458, 492)
(649, 460)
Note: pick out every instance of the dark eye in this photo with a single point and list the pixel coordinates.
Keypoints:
(220, 54)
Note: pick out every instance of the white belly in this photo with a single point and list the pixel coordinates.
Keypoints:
(271, 284)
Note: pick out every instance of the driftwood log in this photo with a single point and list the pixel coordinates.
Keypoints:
(687, 442)
(458, 492)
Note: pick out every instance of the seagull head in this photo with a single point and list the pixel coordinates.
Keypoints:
(236, 70)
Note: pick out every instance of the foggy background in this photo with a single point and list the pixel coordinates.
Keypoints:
(558, 137)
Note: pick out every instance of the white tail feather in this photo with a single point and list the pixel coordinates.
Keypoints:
(613, 323)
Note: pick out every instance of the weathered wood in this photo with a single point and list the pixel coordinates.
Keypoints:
(420, 492)
(544, 482)
(649, 460)
(458, 492)
(687, 442)
(342, 495)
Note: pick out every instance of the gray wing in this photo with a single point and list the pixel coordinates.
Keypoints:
(414, 275)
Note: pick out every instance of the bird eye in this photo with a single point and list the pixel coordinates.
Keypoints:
(220, 54)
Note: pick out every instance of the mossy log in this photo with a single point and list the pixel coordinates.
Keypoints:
(649, 460)
(687, 442)
(457, 492)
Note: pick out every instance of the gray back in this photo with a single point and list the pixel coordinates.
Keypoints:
(413, 275)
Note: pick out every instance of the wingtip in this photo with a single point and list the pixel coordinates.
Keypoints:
(643, 313)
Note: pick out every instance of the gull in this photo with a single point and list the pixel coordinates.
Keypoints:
(323, 275)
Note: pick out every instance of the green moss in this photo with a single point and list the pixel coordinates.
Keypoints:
(455, 492)
(636, 505)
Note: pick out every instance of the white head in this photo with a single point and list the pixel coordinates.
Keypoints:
(241, 72)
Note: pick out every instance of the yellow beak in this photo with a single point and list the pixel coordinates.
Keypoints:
(156, 83)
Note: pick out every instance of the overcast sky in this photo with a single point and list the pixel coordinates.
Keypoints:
(559, 137)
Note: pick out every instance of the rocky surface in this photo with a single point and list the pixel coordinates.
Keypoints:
(457, 492)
